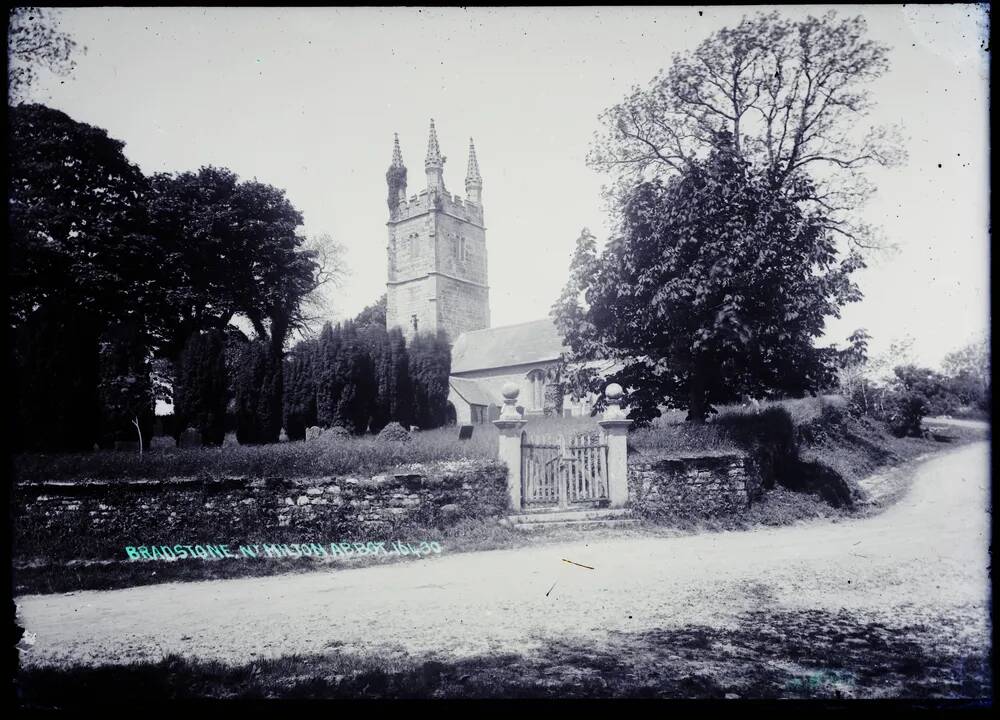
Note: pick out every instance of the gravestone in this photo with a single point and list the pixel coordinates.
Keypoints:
(465, 432)
(230, 440)
(162, 442)
(190, 438)
(282, 436)
(312, 433)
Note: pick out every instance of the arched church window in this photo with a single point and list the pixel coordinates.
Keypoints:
(536, 379)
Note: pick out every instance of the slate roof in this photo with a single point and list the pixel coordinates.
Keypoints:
(472, 392)
(529, 342)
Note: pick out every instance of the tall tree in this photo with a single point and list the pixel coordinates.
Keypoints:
(258, 395)
(200, 391)
(78, 248)
(77, 221)
(790, 97)
(300, 389)
(34, 40)
(125, 390)
(716, 286)
(233, 250)
(429, 368)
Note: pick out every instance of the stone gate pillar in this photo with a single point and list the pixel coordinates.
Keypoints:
(615, 426)
(510, 425)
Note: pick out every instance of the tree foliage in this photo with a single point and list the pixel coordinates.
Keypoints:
(233, 250)
(299, 402)
(258, 394)
(790, 97)
(54, 380)
(716, 285)
(33, 41)
(429, 368)
(125, 390)
(76, 220)
(373, 314)
(201, 386)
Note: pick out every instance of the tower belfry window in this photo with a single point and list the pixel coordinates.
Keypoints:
(413, 319)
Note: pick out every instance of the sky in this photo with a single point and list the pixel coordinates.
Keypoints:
(308, 100)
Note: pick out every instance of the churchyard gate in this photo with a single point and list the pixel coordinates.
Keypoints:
(561, 472)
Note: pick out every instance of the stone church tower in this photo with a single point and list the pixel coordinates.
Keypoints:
(437, 250)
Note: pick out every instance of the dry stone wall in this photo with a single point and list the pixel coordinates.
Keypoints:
(94, 519)
(692, 486)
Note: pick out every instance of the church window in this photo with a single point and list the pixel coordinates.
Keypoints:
(413, 245)
(537, 395)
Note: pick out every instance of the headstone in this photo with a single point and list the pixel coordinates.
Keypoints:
(282, 436)
(230, 440)
(465, 432)
(190, 438)
(312, 433)
(162, 442)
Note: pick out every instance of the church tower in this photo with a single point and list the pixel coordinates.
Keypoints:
(436, 250)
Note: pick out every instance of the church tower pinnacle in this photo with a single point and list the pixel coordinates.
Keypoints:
(473, 180)
(395, 177)
(434, 163)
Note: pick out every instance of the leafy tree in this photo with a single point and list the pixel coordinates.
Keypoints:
(77, 223)
(789, 97)
(233, 250)
(77, 240)
(429, 368)
(125, 390)
(200, 392)
(715, 286)
(34, 40)
(373, 314)
(970, 372)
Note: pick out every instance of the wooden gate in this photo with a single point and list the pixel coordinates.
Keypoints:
(561, 473)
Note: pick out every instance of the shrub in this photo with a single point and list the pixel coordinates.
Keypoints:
(394, 432)
(906, 410)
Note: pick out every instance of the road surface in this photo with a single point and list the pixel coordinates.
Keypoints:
(924, 557)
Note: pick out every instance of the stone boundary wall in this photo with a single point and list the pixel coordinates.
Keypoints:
(692, 486)
(97, 519)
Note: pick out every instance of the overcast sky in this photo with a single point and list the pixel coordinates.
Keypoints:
(308, 100)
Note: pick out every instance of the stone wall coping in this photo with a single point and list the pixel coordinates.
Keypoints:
(639, 457)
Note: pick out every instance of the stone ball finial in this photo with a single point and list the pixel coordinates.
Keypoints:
(510, 391)
(613, 392)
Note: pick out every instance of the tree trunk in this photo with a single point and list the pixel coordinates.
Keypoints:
(697, 402)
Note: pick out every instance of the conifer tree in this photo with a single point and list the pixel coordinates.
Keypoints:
(201, 392)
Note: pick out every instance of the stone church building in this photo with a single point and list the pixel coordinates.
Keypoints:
(437, 280)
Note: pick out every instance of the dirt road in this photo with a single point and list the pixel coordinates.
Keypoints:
(925, 557)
